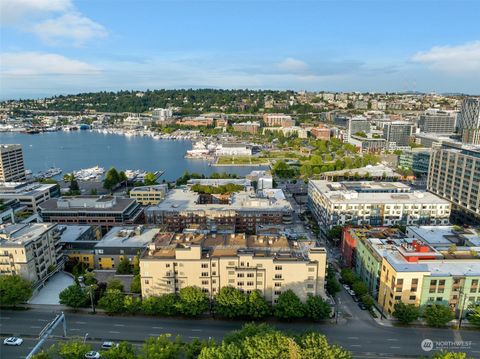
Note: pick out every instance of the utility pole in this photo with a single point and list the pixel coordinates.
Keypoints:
(45, 333)
(91, 298)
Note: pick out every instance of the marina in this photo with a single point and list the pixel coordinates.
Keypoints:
(74, 150)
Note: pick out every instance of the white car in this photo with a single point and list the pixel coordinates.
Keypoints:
(92, 355)
(108, 345)
(347, 288)
(351, 292)
(13, 341)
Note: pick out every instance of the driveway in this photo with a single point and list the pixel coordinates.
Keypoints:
(49, 293)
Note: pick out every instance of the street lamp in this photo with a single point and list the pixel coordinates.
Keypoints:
(85, 338)
(92, 299)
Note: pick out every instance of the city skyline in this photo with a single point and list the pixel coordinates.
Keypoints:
(67, 46)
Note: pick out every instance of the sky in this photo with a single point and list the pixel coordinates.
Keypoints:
(51, 47)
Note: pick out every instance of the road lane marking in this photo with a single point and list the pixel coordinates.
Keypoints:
(5, 318)
(196, 330)
(119, 325)
(354, 338)
(154, 335)
(43, 320)
(75, 329)
(157, 327)
(194, 337)
(80, 322)
(355, 345)
(392, 340)
(35, 327)
(395, 347)
(114, 332)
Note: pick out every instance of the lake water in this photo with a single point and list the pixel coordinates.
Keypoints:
(73, 150)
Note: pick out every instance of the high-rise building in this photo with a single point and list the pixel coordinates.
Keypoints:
(12, 167)
(397, 133)
(162, 114)
(357, 124)
(436, 121)
(454, 174)
(278, 119)
(469, 121)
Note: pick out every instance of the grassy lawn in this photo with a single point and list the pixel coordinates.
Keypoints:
(242, 160)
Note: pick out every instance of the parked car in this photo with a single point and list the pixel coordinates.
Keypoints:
(108, 345)
(362, 306)
(351, 292)
(92, 355)
(13, 341)
(355, 298)
(347, 288)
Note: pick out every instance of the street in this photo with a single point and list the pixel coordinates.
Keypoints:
(359, 334)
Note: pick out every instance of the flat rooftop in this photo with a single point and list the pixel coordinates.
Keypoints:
(154, 188)
(128, 236)
(441, 236)
(23, 188)
(221, 245)
(22, 234)
(374, 171)
(178, 200)
(87, 203)
(71, 233)
(374, 193)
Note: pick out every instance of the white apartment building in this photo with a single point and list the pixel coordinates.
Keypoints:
(374, 203)
(12, 167)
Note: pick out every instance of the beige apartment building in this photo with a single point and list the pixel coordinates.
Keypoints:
(269, 264)
(31, 251)
(148, 195)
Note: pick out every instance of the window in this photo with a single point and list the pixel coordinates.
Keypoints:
(214, 264)
(204, 282)
(311, 269)
(278, 276)
(277, 292)
(278, 284)
(249, 275)
(439, 299)
(310, 286)
(412, 297)
(146, 281)
(250, 284)
(259, 274)
(204, 265)
(231, 263)
(240, 275)
(231, 281)
(240, 284)
(231, 272)
(204, 274)
(398, 297)
(278, 267)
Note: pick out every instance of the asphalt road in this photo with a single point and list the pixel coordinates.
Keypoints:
(359, 334)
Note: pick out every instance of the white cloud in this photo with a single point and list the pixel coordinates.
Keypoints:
(292, 65)
(13, 12)
(71, 26)
(454, 59)
(20, 64)
(53, 21)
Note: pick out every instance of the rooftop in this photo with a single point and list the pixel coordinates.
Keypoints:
(384, 192)
(87, 203)
(22, 234)
(128, 236)
(154, 188)
(71, 233)
(185, 200)
(444, 236)
(374, 171)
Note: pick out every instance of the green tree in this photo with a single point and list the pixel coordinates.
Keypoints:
(112, 301)
(333, 287)
(115, 284)
(193, 301)
(316, 308)
(74, 296)
(14, 290)
(274, 345)
(315, 346)
(124, 350)
(257, 306)
(231, 303)
(335, 234)
(438, 315)
(405, 313)
(359, 288)
(348, 276)
(223, 351)
(193, 348)
(450, 355)
(161, 348)
(89, 278)
(112, 178)
(124, 267)
(367, 300)
(132, 304)
(73, 350)
(474, 316)
(150, 179)
(289, 306)
(166, 304)
(136, 285)
(248, 330)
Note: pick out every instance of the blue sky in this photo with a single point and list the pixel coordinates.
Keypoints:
(52, 47)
